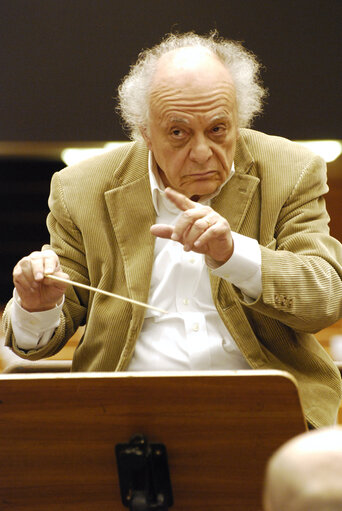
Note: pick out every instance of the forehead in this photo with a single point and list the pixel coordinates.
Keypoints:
(171, 103)
(191, 84)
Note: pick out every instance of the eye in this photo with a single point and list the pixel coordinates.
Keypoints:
(178, 136)
(178, 133)
(218, 130)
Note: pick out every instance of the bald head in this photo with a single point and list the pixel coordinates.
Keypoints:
(306, 473)
(190, 66)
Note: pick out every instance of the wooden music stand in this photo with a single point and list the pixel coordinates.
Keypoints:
(58, 434)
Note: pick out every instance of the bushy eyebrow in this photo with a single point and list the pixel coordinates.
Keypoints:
(180, 120)
(219, 118)
(216, 118)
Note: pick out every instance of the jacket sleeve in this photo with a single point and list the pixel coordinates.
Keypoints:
(66, 241)
(302, 267)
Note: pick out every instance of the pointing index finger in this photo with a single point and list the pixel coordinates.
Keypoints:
(181, 201)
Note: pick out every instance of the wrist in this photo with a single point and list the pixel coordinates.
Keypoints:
(216, 263)
(41, 308)
(38, 309)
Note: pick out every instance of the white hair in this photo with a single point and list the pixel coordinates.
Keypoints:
(133, 93)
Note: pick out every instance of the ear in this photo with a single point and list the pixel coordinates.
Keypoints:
(143, 131)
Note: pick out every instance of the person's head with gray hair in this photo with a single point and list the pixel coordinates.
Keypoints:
(134, 91)
(305, 474)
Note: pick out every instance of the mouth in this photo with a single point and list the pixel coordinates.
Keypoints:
(202, 175)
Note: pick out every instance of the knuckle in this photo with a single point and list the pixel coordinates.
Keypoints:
(188, 214)
(222, 223)
(49, 253)
(24, 263)
(16, 272)
(35, 255)
(198, 224)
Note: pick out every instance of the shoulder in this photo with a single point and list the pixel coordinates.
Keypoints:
(80, 189)
(125, 163)
(268, 149)
(277, 160)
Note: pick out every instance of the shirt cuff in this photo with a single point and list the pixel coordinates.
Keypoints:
(243, 269)
(33, 329)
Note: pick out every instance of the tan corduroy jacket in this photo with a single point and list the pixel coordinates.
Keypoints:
(101, 211)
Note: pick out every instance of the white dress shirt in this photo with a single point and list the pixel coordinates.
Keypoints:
(192, 334)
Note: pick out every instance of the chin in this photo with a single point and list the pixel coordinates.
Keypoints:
(203, 189)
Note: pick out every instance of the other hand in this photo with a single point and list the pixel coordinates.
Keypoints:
(198, 228)
(36, 292)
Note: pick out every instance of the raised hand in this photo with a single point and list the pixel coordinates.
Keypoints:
(35, 291)
(198, 228)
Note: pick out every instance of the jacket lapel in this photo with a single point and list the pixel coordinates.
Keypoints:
(132, 213)
(236, 196)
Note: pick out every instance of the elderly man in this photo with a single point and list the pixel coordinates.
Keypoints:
(222, 226)
(305, 474)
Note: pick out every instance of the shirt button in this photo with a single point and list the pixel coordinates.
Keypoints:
(192, 260)
(195, 327)
(185, 301)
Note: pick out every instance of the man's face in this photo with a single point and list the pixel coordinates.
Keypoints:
(193, 127)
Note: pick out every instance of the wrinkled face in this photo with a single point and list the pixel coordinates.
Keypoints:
(192, 128)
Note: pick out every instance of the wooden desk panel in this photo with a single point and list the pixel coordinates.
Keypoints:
(57, 436)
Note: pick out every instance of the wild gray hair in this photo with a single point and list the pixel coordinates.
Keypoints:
(133, 93)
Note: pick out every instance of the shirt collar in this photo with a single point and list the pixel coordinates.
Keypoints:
(158, 188)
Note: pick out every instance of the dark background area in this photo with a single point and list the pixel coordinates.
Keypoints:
(62, 60)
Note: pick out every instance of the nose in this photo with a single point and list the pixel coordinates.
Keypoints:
(200, 151)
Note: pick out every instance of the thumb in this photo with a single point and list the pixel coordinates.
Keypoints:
(162, 230)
